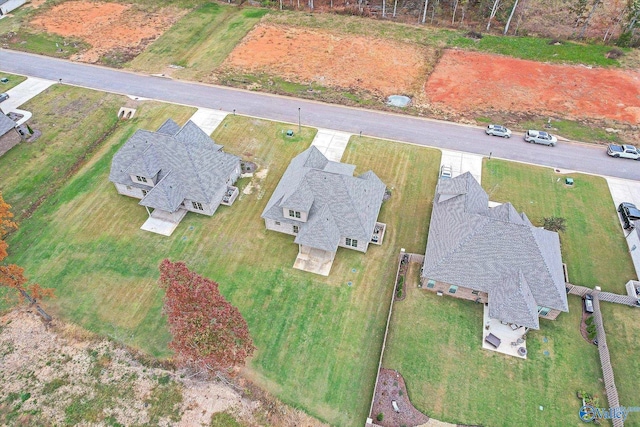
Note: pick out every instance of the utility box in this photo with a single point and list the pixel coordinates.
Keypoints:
(568, 181)
(289, 132)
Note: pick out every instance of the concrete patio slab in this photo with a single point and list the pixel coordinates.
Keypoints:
(159, 226)
(208, 120)
(511, 339)
(331, 143)
(623, 190)
(463, 162)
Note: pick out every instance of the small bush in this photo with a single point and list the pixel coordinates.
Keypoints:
(615, 53)
(589, 320)
(399, 294)
(473, 35)
(554, 41)
(592, 336)
(380, 416)
(591, 328)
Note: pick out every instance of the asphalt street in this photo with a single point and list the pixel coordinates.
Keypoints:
(566, 155)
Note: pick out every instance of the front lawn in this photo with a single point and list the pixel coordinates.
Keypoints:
(593, 246)
(14, 81)
(318, 338)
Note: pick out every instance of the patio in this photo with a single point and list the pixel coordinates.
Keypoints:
(510, 336)
(164, 223)
(314, 260)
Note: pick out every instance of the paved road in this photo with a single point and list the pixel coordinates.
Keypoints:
(572, 156)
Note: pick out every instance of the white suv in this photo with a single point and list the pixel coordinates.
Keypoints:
(540, 137)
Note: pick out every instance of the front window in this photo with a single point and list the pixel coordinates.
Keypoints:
(431, 283)
(197, 205)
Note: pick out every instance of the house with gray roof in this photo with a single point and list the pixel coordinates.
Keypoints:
(9, 136)
(175, 170)
(492, 255)
(324, 206)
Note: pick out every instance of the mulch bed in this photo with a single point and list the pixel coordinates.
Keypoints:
(391, 387)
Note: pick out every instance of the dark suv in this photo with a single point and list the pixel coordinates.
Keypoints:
(628, 213)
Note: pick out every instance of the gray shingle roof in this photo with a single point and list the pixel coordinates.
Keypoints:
(6, 124)
(477, 247)
(169, 127)
(338, 204)
(197, 166)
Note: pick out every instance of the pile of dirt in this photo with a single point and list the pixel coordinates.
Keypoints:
(107, 26)
(60, 374)
(303, 55)
(467, 81)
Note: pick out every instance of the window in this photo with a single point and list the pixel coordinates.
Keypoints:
(347, 241)
(294, 214)
(277, 222)
(144, 193)
(351, 242)
(475, 293)
(543, 311)
(431, 284)
(197, 205)
(296, 229)
(297, 214)
(141, 178)
(453, 289)
(354, 243)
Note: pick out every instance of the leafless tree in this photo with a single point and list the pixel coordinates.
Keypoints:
(494, 10)
(513, 9)
(586, 23)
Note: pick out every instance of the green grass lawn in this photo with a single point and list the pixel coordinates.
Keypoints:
(436, 344)
(318, 338)
(199, 42)
(593, 246)
(14, 81)
(622, 325)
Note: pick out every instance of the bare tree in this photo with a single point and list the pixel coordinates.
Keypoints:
(453, 15)
(395, 5)
(424, 14)
(384, 8)
(494, 10)
(586, 23)
(513, 9)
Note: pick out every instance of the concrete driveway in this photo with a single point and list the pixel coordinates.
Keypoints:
(624, 190)
(22, 93)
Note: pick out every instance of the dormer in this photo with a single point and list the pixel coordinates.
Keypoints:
(144, 180)
(145, 169)
(294, 214)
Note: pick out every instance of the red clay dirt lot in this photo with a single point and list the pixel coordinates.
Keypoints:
(106, 26)
(303, 55)
(468, 81)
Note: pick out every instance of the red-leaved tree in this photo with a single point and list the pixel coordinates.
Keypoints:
(208, 332)
(12, 276)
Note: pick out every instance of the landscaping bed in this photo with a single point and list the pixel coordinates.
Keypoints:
(391, 387)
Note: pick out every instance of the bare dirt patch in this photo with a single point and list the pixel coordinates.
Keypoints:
(468, 81)
(303, 55)
(62, 374)
(107, 26)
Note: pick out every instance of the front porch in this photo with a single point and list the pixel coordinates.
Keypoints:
(314, 260)
(163, 222)
(510, 337)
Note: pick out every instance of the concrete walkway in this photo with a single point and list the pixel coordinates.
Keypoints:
(22, 93)
(331, 143)
(461, 162)
(208, 120)
(623, 190)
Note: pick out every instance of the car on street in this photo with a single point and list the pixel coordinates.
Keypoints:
(628, 213)
(4, 96)
(588, 303)
(540, 137)
(498, 130)
(625, 151)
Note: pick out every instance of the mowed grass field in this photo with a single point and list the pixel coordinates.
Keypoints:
(14, 81)
(199, 42)
(318, 338)
(593, 246)
(436, 344)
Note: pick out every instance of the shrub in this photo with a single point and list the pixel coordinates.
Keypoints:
(591, 328)
(589, 320)
(554, 223)
(474, 35)
(380, 416)
(399, 294)
(615, 53)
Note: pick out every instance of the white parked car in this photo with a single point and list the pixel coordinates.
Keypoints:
(540, 137)
(498, 130)
(626, 151)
